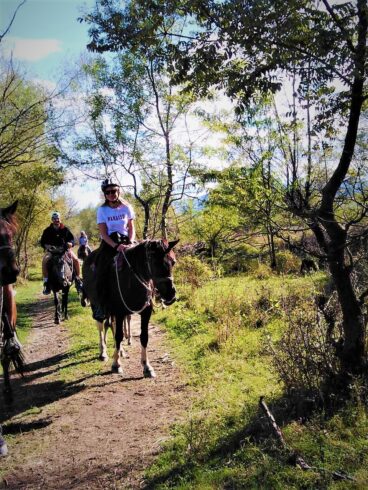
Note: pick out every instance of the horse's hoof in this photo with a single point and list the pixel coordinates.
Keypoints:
(66, 317)
(149, 372)
(57, 321)
(83, 302)
(103, 357)
(129, 341)
(116, 369)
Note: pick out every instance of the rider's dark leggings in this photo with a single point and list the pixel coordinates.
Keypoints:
(104, 262)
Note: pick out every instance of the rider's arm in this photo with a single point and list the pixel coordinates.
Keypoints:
(69, 238)
(105, 237)
(43, 240)
(131, 231)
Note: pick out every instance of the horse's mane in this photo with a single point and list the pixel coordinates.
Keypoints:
(136, 254)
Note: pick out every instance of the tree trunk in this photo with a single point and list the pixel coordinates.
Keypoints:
(271, 247)
(353, 352)
(146, 208)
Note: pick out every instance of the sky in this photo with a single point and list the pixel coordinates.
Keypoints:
(44, 38)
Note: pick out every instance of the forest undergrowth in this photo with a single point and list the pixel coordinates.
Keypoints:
(224, 334)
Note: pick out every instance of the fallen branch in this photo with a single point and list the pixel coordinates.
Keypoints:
(294, 457)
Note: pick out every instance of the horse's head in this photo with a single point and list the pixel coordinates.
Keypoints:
(83, 252)
(161, 260)
(8, 266)
(59, 270)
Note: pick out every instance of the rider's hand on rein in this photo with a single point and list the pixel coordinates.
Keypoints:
(121, 247)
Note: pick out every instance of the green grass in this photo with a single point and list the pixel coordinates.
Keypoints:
(83, 349)
(25, 295)
(217, 333)
(73, 368)
(82, 355)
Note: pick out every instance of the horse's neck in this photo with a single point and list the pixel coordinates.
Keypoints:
(136, 257)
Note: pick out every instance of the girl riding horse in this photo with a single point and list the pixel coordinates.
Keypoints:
(115, 223)
(120, 287)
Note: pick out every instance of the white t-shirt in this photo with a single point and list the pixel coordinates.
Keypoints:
(116, 219)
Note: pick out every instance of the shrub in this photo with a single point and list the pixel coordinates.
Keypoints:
(262, 271)
(239, 258)
(287, 262)
(192, 271)
(305, 356)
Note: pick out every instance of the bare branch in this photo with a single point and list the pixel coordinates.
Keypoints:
(12, 20)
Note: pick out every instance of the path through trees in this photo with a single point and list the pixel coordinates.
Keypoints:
(97, 431)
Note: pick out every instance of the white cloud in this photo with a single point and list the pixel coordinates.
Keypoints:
(47, 84)
(31, 49)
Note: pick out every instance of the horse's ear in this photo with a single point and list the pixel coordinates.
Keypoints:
(10, 210)
(172, 245)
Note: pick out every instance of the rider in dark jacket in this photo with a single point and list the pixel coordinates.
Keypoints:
(58, 235)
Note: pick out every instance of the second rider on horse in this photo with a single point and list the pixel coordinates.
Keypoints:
(58, 235)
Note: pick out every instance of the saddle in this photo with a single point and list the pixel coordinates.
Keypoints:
(105, 250)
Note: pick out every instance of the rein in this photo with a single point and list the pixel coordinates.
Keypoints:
(5, 246)
(141, 281)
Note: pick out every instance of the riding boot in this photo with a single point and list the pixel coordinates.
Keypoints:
(46, 288)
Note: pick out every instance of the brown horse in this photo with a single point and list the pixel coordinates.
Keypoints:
(10, 348)
(134, 277)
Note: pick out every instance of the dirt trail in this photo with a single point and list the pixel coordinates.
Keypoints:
(99, 432)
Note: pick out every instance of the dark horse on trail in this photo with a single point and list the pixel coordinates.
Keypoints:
(10, 348)
(136, 276)
(60, 270)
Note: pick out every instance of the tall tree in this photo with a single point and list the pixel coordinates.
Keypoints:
(132, 124)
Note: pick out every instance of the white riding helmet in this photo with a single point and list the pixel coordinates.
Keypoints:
(55, 215)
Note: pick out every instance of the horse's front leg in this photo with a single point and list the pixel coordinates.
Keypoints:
(65, 297)
(148, 371)
(102, 331)
(118, 334)
(57, 308)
